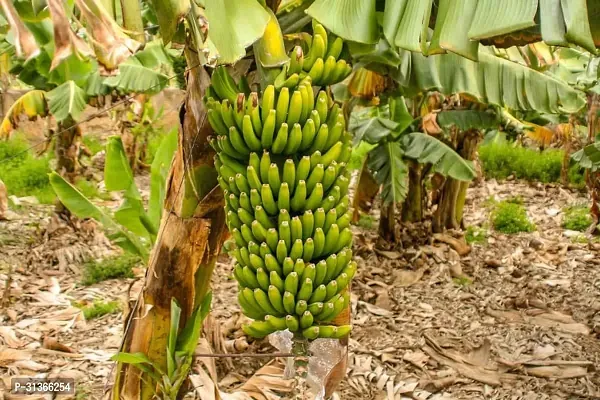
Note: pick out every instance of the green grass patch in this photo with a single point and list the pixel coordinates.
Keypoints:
(476, 235)
(22, 172)
(501, 160)
(511, 217)
(576, 218)
(98, 308)
(462, 281)
(366, 221)
(109, 268)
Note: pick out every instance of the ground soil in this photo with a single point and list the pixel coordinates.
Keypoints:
(516, 317)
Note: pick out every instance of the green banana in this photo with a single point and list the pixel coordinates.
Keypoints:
(277, 282)
(296, 229)
(294, 140)
(308, 223)
(267, 102)
(289, 173)
(237, 141)
(269, 203)
(288, 266)
(321, 271)
(284, 215)
(272, 239)
(263, 300)
(308, 250)
(289, 302)
(291, 283)
(296, 60)
(281, 139)
(252, 141)
(268, 132)
(306, 320)
(316, 176)
(283, 103)
(301, 307)
(272, 265)
(299, 267)
(315, 308)
(283, 198)
(299, 198)
(308, 134)
(311, 333)
(285, 233)
(292, 323)
(277, 323)
(297, 250)
(263, 279)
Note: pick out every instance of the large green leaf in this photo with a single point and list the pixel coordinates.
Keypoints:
(414, 25)
(371, 124)
(588, 157)
(387, 164)
(159, 172)
(233, 26)
(578, 24)
(428, 150)
(494, 18)
(67, 101)
(492, 80)
(450, 34)
(135, 77)
(468, 119)
(351, 19)
(169, 14)
(552, 23)
(117, 172)
(82, 207)
(118, 176)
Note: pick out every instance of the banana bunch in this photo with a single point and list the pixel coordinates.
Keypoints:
(281, 159)
(321, 61)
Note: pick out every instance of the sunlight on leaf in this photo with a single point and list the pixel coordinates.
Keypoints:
(350, 19)
(235, 26)
(32, 104)
(66, 101)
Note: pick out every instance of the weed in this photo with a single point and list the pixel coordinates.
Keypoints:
(98, 308)
(501, 160)
(580, 239)
(462, 281)
(508, 217)
(22, 172)
(366, 221)
(476, 234)
(109, 268)
(576, 218)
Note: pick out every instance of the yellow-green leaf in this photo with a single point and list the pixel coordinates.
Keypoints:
(350, 19)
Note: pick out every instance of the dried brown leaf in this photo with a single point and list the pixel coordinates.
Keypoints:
(66, 42)
(25, 44)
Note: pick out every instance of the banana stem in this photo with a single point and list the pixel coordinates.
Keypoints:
(300, 349)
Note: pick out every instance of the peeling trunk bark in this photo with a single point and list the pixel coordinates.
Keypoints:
(190, 237)
(453, 194)
(67, 149)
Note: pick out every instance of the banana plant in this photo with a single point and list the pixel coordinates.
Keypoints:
(213, 32)
(131, 227)
(66, 68)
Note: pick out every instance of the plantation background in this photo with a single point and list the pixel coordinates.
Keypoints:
(452, 255)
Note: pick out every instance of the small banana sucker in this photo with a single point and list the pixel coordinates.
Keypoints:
(282, 159)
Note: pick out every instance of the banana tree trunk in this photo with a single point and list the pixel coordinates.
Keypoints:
(190, 237)
(412, 208)
(67, 149)
(387, 222)
(449, 213)
(592, 179)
